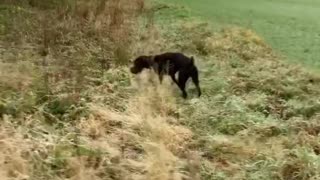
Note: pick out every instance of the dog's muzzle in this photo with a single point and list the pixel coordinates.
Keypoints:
(133, 70)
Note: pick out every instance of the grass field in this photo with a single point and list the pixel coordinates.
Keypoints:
(70, 108)
(290, 26)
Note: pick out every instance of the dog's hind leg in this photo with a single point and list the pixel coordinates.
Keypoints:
(183, 77)
(172, 75)
(195, 79)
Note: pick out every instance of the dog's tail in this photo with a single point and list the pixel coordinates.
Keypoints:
(192, 61)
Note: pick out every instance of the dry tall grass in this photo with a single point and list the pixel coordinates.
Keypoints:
(66, 45)
(82, 122)
(143, 142)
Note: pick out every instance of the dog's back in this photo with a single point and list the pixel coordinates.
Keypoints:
(179, 60)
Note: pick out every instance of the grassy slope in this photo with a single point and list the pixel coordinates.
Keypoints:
(291, 27)
(254, 105)
(258, 117)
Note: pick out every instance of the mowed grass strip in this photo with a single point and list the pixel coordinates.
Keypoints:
(291, 27)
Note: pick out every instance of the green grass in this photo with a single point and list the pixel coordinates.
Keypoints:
(253, 105)
(291, 27)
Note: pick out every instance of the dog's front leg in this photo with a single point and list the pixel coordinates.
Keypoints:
(160, 77)
(160, 72)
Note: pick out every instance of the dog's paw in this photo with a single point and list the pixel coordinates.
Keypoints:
(184, 96)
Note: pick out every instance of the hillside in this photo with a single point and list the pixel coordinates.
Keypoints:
(70, 109)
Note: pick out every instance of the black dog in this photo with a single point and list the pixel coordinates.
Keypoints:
(170, 63)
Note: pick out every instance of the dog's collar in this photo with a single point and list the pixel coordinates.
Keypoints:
(153, 64)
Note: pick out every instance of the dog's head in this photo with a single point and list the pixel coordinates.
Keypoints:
(141, 63)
